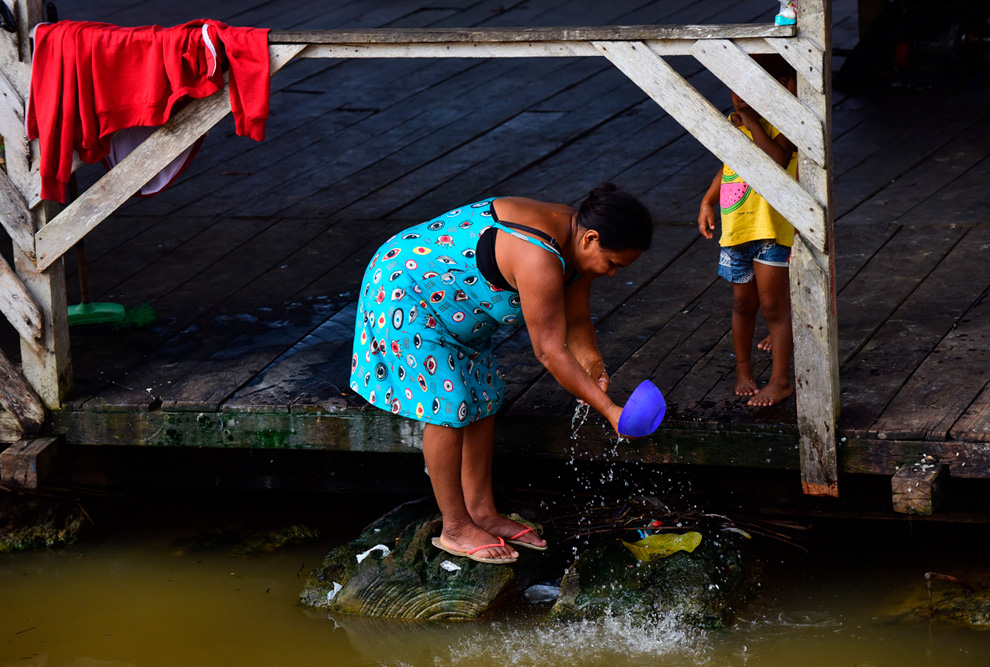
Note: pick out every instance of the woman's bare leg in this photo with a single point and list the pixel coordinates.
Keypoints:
(443, 450)
(476, 481)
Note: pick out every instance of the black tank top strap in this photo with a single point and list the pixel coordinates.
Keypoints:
(532, 230)
(526, 228)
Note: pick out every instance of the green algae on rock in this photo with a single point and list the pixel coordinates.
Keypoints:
(414, 580)
(959, 600)
(29, 521)
(702, 588)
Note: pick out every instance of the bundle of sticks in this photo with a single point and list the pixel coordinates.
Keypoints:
(651, 514)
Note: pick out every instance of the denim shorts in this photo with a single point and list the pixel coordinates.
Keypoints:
(735, 263)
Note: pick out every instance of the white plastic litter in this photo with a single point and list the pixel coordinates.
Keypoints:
(450, 567)
(332, 594)
(380, 547)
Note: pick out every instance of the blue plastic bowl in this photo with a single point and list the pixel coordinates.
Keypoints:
(643, 412)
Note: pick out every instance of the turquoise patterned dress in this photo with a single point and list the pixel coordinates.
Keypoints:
(426, 315)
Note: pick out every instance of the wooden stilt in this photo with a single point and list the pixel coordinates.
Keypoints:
(816, 365)
(917, 487)
(28, 463)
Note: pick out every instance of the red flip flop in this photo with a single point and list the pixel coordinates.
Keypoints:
(516, 542)
(470, 553)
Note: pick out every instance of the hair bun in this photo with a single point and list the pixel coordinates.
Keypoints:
(621, 220)
(602, 189)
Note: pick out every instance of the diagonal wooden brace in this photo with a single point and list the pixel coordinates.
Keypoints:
(697, 115)
(15, 216)
(117, 185)
(18, 398)
(19, 306)
(736, 69)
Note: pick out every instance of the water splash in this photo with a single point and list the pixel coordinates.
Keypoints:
(614, 640)
(581, 411)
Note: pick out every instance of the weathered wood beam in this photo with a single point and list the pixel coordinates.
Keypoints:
(45, 362)
(347, 428)
(10, 100)
(452, 50)
(816, 371)
(536, 34)
(12, 116)
(916, 488)
(812, 274)
(20, 308)
(28, 463)
(10, 429)
(15, 216)
(707, 124)
(29, 13)
(868, 456)
(18, 398)
(128, 176)
(774, 102)
(117, 185)
(548, 49)
(806, 57)
(48, 366)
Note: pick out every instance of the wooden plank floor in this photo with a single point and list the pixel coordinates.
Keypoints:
(252, 260)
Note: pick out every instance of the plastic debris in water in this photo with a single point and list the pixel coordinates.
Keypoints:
(380, 547)
(332, 594)
(541, 593)
(733, 529)
(661, 545)
(450, 567)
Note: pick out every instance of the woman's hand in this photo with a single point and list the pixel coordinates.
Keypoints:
(604, 380)
(612, 414)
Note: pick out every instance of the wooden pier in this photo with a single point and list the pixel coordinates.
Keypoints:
(253, 259)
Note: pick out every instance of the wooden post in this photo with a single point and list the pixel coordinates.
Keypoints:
(917, 488)
(816, 356)
(26, 464)
(117, 185)
(47, 368)
(45, 361)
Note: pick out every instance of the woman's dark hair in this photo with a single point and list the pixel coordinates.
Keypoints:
(621, 220)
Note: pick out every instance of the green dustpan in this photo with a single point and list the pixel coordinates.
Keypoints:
(96, 313)
(102, 312)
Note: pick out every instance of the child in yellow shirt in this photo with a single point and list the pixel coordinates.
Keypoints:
(756, 246)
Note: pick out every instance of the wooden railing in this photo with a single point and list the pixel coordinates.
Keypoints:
(33, 297)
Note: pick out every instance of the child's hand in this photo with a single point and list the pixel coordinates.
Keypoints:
(706, 220)
(745, 117)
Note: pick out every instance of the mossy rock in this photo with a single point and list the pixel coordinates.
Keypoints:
(410, 582)
(702, 588)
(966, 603)
(32, 521)
(246, 541)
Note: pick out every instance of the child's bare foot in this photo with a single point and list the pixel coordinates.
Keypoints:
(774, 392)
(745, 382)
(764, 344)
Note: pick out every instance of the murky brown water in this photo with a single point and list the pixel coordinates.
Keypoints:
(128, 595)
